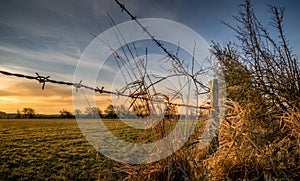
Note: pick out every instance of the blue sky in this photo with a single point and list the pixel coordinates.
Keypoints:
(51, 35)
(48, 36)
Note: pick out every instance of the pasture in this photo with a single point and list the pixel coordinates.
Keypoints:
(55, 149)
(50, 149)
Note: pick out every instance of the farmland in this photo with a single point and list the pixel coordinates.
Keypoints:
(50, 150)
(254, 81)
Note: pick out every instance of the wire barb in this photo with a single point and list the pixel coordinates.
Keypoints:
(99, 90)
(178, 63)
(78, 85)
(42, 79)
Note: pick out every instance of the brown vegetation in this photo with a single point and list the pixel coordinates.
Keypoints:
(259, 137)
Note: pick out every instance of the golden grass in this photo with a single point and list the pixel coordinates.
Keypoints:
(249, 149)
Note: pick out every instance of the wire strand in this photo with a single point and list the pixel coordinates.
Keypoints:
(46, 79)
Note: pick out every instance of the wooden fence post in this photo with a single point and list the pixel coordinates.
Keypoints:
(214, 115)
(214, 99)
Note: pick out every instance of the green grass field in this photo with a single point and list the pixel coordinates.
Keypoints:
(55, 149)
(50, 150)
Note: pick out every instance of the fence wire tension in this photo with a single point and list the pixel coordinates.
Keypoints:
(46, 79)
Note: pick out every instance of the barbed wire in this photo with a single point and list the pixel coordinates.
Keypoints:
(178, 63)
(46, 79)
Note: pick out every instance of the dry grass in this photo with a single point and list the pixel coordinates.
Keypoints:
(184, 164)
(249, 149)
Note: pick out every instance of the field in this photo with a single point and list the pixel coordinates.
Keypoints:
(54, 149)
(50, 150)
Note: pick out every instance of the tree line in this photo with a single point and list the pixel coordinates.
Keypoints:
(111, 112)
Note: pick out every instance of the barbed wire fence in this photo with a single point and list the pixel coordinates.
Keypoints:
(177, 64)
(46, 79)
(178, 67)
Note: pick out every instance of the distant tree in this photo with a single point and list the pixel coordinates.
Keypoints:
(28, 112)
(19, 114)
(141, 110)
(78, 112)
(122, 112)
(3, 115)
(93, 112)
(110, 112)
(65, 114)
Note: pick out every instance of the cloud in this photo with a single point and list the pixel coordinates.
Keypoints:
(17, 93)
(48, 37)
(69, 21)
(45, 56)
(31, 61)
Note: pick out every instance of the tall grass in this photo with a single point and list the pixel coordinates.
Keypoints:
(248, 150)
(252, 151)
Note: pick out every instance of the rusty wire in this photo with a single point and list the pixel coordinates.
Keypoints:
(178, 63)
(44, 79)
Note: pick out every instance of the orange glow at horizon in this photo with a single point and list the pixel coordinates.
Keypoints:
(16, 94)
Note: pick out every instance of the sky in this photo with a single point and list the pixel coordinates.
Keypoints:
(49, 37)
